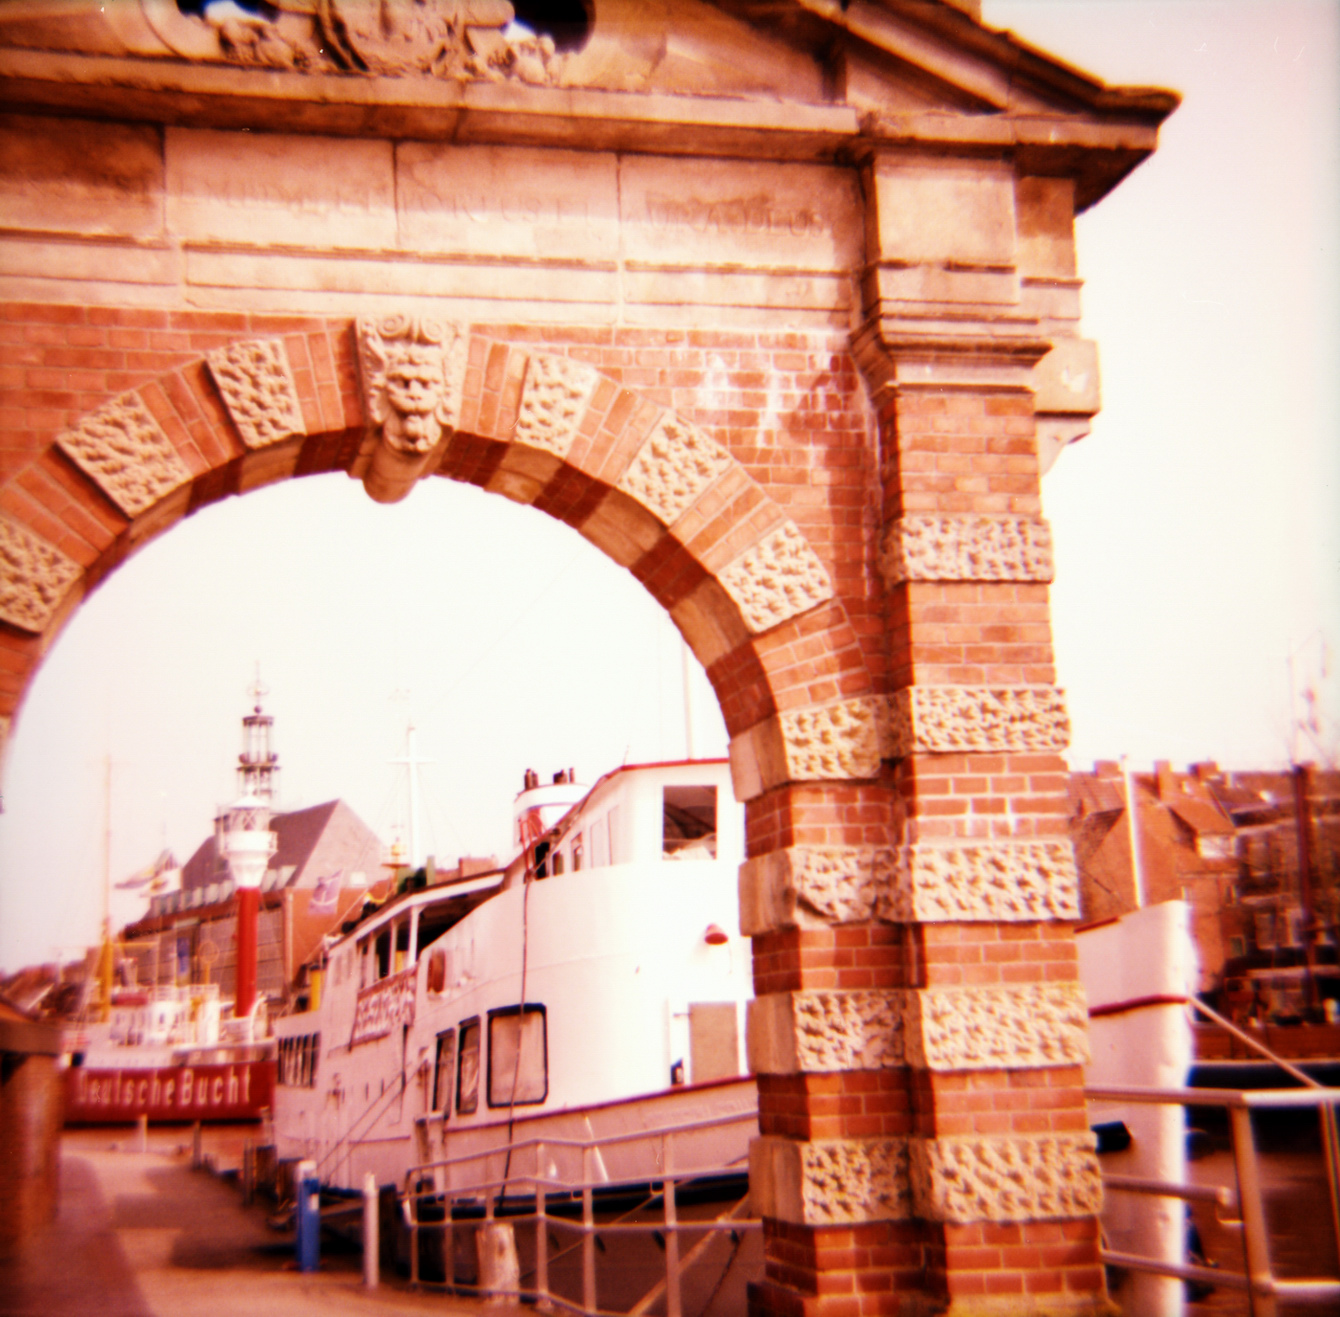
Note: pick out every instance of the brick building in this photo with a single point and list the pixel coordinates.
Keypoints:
(776, 304)
(1226, 842)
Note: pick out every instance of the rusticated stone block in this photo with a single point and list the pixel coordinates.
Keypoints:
(1005, 1177)
(34, 577)
(256, 383)
(673, 467)
(124, 451)
(812, 886)
(809, 1032)
(1010, 881)
(977, 719)
(966, 547)
(831, 1181)
(553, 400)
(834, 741)
(776, 579)
(1017, 1027)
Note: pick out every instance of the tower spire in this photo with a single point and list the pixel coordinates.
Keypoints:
(257, 765)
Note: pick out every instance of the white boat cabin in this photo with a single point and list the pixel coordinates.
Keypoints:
(603, 964)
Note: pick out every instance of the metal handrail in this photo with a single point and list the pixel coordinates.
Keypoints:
(1263, 1287)
(669, 1177)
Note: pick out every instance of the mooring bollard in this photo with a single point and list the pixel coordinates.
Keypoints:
(371, 1241)
(142, 1144)
(197, 1147)
(499, 1266)
(308, 1241)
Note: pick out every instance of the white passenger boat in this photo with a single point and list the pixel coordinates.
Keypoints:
(595, 988)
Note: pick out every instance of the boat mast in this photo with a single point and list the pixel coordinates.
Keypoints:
(412, 763)
(105, 955)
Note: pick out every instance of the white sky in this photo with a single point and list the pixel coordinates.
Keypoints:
(1197, 536)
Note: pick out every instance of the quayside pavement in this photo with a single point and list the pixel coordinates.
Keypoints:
(142, 1234)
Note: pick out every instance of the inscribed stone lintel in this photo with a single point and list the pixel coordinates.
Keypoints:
(34, 577)
(1005, 1178)
(966, 547)
(255, 380)
(977, 719)
(777, 578)
(929, 882)
(673, 468)
(554, 398)
(124, 451)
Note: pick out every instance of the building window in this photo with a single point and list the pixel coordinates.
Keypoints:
(467, 1070)
(518, 1056)
(689, 829)
(442, 1072)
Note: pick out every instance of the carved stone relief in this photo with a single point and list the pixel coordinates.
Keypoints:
(1006, 1178)
(812, 886)
(256, 383)
(413, 381)
(553, 401)
(457, 39)
(997, 1028)
(34, 578)
(1010, 881)
(830, 1181)
(966, 719)
(820, 1031)
(834, 741)
(966, 547)
(777, 578)
(674, 466)
(125, 452)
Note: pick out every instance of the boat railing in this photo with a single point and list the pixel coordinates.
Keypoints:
(435, 1197)
(1265, 1289)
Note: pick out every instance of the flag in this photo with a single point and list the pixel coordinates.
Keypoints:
(148, 874)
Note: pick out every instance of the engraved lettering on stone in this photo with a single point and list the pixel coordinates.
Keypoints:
(757, 215)
(832, 741)
(674, 467)
(924, 547)
(777, 578)
(852, 1180)
(977, 719)
(125, 452)
(257, 386)
(998, 1028)
(553, 401)
(1009, 881)
(34, 577)
(1006, 1178)
(855, 1030)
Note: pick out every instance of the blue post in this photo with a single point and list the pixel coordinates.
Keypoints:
(309, 1217)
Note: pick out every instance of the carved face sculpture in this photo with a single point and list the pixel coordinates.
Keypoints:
(415, 384)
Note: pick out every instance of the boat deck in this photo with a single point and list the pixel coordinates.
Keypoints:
(144, 1235)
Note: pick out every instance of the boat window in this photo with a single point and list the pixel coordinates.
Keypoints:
(518, 1056)
(436, 979)
(467, 1071)
(297, 1060)
(689, 830)
(618, 853)
(383, 967)
(435, 919)
(578, 853)
(599, 832)
(541, 862)
(442, 1074)
(401, 944)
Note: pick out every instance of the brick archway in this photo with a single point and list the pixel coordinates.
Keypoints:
(538, 423)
